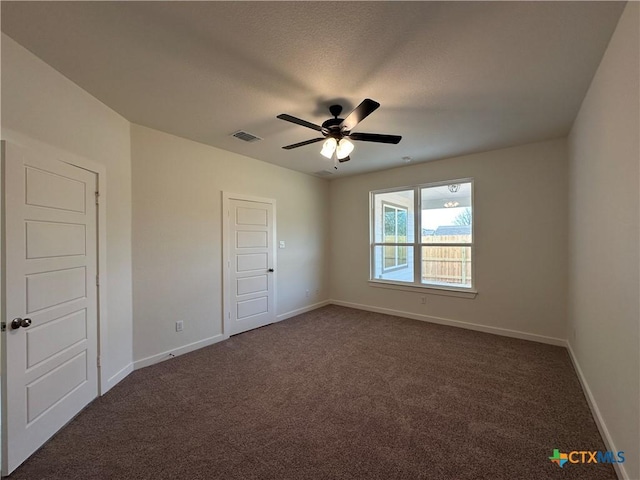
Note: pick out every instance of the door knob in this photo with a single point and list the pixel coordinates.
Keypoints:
(270, 270)
(20, 322)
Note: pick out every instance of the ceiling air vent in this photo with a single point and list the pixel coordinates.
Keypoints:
(323, 173)
(246, 136)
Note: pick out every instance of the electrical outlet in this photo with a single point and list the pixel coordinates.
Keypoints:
(317, 292)
(306, 292)
(423, 300)
(179, 326)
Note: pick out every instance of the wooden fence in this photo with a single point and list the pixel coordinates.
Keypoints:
(446, 264)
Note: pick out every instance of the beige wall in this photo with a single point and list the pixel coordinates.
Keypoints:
(604, 287)
(520, 240)
(177, 249)
(41, 105)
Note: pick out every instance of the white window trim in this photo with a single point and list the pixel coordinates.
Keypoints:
(430, 289)
(446, 290)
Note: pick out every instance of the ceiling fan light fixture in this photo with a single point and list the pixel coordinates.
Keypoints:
(328, 147)
(345, 147)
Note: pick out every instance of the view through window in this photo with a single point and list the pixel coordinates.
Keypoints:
(423, 235)
(395, 231)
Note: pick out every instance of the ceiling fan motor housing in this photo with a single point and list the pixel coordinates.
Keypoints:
(331, 128)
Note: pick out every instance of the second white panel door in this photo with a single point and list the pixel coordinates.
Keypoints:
(250, 236)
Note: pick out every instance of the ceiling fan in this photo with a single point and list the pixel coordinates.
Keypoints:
(337, 132)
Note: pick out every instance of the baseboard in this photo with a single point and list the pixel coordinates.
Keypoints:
(117, 378)
(505, 332)
(597, 416)
(160, 357)
(298, 311)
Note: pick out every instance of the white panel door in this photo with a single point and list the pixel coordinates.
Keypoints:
(49, 344)
(250, 239)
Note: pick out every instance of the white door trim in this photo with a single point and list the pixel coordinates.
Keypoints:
(104, 383)
(226, 301)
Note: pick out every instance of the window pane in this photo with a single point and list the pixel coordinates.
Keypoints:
(389, 224)
(393, 263)
(402, 225)
(446, 266)
(393, 220)
(447, 213)
(390, 257)
(401, 254)
(395, 256)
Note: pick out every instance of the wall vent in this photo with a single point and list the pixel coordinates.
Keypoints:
(246, 136)
(323, 173)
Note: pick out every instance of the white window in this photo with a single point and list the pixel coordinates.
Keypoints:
(395, 231)
(423, 235)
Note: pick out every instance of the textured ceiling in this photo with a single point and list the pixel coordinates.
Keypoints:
(452, 77)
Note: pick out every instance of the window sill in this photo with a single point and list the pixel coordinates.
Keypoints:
(431, 290)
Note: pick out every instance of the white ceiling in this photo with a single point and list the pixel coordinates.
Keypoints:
(452, 77)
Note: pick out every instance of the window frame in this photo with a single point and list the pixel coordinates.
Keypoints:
(395, 244)
(417, 244)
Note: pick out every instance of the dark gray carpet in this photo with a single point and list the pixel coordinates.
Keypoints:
(336, 393)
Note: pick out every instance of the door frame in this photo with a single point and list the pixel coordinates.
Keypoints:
(24, 141)
(227, 197)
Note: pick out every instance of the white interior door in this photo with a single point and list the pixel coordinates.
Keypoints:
(250, 240)
(50, 339)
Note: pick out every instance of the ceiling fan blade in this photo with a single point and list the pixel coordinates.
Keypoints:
(299, 121)
(345, 159)
(375, 137)
(302, 144)
(362, 111)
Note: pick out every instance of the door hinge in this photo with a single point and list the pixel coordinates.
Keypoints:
(3, 326)
(98, 361)
(97, 280)
(97, 198)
